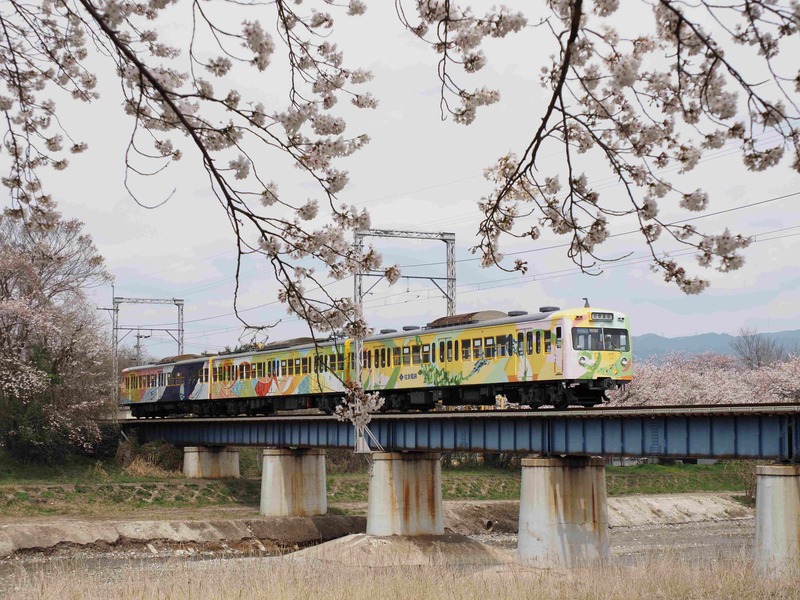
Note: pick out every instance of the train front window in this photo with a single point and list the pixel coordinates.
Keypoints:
(616, 339)
(600, 338)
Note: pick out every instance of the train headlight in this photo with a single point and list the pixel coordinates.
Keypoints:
(582, 361)
(623, 361)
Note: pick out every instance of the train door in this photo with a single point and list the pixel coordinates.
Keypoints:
(443, 349)
(191, 374)
(558, 347)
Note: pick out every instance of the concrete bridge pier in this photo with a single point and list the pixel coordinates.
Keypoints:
(405, 494)
(293, 483)
(563, 514)
(777, 539)
(210, 462)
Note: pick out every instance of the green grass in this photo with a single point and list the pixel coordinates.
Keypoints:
(84, 486)
(674, 479)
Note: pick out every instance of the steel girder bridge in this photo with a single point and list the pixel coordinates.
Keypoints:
(769, 431)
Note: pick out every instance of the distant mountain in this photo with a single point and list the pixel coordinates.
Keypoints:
(650, 344)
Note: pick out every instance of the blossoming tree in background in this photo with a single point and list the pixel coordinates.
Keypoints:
(710, 378)
(54, 367)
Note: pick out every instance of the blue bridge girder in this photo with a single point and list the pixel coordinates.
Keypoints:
(741, 431)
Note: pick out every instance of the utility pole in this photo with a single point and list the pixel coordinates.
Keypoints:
(358, 290)
(116, 329)
(138, 346)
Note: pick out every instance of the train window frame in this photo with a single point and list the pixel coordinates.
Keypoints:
(433, 352)
(205, 374)
(297, 366)
(489, 348)
(449, 347)
(441, 351)
(406, 355)
(466, 350)
(559, 338)
(426, 353)
(383, 358)
(538, 342)
(548, 341)
(416, 354)
(306, 363)
(520, 343)
(621, 346)
(501, 346)
(477, 348)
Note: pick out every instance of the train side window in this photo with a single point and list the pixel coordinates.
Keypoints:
(433, 352)
(528, 343)
(406, 355)
(205, 375)
(559, 340)
(520, 343)
(449, 351)
(383, 358)
(339, 362)
(269, 368)
(510, 344)
(548, 341)
(426, 353)
(477, 349)
(304, 365)
(538, 342)
(441, 352)
(396, 357)
(455, 350)
(489, 348)
(502, 347)
(297, 366)
(466, 352)
(415, 355)
(369, 359)
(290, 367)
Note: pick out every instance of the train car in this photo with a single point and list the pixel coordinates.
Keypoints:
(551, 357)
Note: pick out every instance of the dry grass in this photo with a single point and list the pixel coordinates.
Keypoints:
(282, 579)
(143, 468)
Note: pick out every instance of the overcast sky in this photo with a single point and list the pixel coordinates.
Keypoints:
(421, 173)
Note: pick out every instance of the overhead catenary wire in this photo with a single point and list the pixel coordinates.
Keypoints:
(515, 253)
(512, 281)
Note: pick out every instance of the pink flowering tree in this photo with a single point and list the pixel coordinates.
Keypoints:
(709, 378)
(54, 374)
(648, 100)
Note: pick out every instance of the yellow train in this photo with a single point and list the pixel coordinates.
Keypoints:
(551, 357)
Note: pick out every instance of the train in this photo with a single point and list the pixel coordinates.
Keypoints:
(551, 357)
